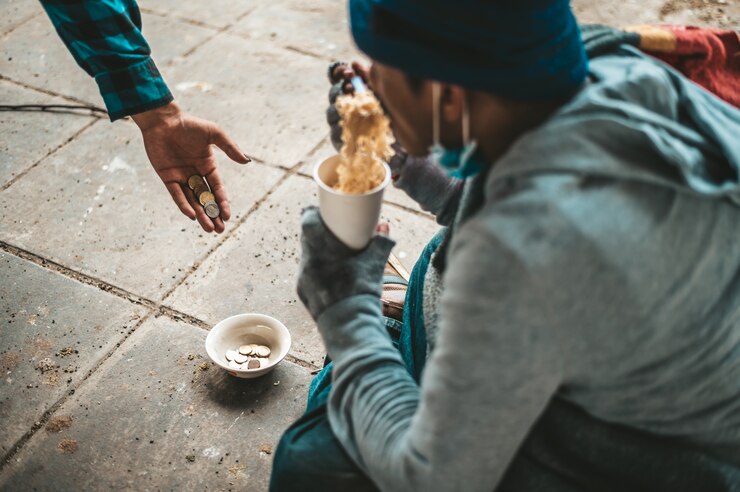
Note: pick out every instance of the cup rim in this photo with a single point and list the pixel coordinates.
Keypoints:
(324, 186)
(280, 326)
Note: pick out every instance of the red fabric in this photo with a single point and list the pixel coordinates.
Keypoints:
(709, 57)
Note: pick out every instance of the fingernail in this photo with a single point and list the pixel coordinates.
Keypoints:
(247, 158)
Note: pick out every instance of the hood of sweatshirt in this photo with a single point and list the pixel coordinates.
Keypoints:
(638, 119)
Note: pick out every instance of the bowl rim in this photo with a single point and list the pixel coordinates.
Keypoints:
(384, 184)
(277, 323)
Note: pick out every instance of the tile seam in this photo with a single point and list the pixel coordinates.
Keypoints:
(39, 424)
(13, 28)
(33, 166)
(153, 307)
(292, 171)
(55, 94)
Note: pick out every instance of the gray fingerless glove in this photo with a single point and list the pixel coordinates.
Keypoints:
(332, 116)
(427, 183)
(330, 271)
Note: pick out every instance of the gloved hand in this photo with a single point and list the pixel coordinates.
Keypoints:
(330, 271)
(340, 75)
(332, 116)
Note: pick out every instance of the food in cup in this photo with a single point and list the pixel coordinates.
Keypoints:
(350, 217)
(367, 138)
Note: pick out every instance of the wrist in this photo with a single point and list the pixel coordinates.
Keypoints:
(157, 116)
(351, 322)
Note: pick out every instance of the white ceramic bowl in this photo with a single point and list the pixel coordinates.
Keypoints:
(243, 329)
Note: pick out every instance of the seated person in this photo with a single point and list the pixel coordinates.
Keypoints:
(576, 324)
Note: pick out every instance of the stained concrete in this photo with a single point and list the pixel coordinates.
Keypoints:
(154, 417)
(271, 99)
(47, 317)
(34, 55)
(217, 14)
(26, 138)
(319, 27)
(16, 13)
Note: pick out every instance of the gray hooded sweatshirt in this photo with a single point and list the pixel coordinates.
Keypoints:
(602, 270)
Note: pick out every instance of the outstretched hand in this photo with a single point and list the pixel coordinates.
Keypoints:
(178, 146)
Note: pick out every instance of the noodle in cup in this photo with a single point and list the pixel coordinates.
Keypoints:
(350, 217)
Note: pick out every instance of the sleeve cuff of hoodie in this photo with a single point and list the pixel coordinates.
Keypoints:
(133, 90)
(352, 324)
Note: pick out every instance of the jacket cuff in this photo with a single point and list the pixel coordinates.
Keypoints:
(133, 90)
(352, 323)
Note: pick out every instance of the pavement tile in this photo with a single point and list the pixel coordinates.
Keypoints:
(13, 13)
(103, 211)
(319, 27)
(723, 14)
(254, 270)
(41, 314)
(35, 55)
(323, 151)
(627, 12)
(26, 137)
(152, 419)
(216, 13)
(271, 100)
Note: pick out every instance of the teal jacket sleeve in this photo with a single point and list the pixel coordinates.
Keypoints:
(105, 39)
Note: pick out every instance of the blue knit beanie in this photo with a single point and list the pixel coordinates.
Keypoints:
(519, 49)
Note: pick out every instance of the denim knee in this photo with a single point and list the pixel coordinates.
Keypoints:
(309, 458)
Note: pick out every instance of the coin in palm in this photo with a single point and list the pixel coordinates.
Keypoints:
(212, 210)
(195, 180)
(206, 197)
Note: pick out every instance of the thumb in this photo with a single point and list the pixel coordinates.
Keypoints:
(220, 139)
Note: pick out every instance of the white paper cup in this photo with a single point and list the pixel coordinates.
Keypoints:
(352, 218)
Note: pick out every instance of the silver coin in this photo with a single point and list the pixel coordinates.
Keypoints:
(230, 354)
(263, 351)
(240, 358)
(212, 210)
(246, 350)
